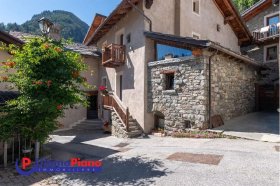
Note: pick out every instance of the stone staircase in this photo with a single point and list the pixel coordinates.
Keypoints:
(119, 129)
(92, 114)
(95, 124)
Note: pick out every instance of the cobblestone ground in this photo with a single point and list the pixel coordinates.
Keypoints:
(146, 161)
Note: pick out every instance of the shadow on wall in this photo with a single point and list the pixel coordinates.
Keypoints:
(129, 75)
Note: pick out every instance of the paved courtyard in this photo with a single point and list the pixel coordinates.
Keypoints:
(158, 161)
(261, 126)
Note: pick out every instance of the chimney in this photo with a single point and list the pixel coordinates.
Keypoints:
(55, 32)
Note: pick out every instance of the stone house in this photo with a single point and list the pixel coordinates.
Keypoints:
(262, 20)
(163, 69)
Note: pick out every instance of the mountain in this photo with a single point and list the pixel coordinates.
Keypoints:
(71, 25)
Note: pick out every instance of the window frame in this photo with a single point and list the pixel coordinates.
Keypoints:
(194, 1)
(168, 81)
(266, 17)
(102, 81)
(265, 53)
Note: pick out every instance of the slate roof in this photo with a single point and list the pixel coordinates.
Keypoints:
(80, 48)
(9, 39)
(196, 43)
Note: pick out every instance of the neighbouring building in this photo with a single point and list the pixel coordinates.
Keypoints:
(90, 55)
(172, 64)
(263, 22)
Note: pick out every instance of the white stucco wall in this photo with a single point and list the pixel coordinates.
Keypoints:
(80, 113)
(162, 14)
(133, 71)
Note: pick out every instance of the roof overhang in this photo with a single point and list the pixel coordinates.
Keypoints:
(9, 39)
(190, 43)
(168, 39)
(122, 9)
(97, 21)
(256, 9)
(233, 18)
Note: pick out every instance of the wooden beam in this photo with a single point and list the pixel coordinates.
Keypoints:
(229, 18)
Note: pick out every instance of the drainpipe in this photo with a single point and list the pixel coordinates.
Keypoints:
(209, 89)
(142, 13)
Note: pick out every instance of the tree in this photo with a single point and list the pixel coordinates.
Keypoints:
(48, 79)
(244, 4)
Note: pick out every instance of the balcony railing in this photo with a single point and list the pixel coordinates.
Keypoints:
(113, 56)
(109, 102)
(268, 32)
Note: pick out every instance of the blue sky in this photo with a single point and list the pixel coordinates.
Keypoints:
(20, 11)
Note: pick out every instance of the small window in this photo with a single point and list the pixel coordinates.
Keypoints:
(128, 38)
(104, 81)
(271, 53)
(121, 39)
(273, 20)
(169, 81)
(196, 6)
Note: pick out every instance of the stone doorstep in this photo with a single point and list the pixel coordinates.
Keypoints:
(209, 159)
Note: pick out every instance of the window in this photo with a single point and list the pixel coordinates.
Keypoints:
(196, 6)
(272, 20)
(104, 81)
(128, 38)
(164, 50)
(271, 53)
(169, 81)
(121, 39)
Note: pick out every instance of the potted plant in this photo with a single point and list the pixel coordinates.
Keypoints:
(103, 90)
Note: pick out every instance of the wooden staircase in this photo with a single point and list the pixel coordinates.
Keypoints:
(123, 124)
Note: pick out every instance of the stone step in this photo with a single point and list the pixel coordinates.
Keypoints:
(88, 127)
(133, 128)
(134, 134)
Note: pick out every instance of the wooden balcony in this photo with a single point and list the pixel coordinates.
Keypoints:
(110, 103)
(266, 33)
(113, 56)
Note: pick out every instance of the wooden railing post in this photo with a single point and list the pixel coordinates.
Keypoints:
(127, 120)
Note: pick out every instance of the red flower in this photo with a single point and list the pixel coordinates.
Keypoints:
(38, 82)
(58, 49)
(5, 78)
(49, 82)
(46, 46)
(75, 74)
(102, 88)
(9, 64)
(59, 107)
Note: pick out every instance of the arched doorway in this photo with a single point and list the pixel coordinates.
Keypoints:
(158, 120)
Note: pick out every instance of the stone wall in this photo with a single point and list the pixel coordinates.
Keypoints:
(185, 106)
(233, 89)
(257, 51)
(257, 22)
